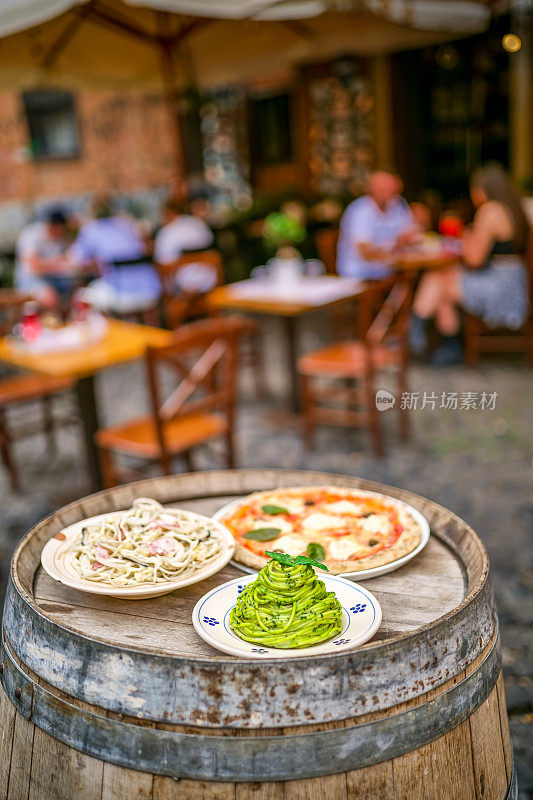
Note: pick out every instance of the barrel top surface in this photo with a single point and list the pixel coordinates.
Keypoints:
(143, 657)
(429, 587)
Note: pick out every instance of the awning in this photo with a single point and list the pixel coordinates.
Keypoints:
(118, 44)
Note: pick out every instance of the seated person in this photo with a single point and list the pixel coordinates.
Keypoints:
(43, 268)
(493, 282)
(128, 282)
(421, 217)
(182, 233)
(372, 227)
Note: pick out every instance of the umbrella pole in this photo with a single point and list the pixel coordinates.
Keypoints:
(168, 72)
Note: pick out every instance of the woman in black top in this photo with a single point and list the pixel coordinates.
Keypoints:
(492, 282)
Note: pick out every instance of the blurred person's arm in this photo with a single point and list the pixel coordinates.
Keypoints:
(35, 264)
(82, 256)
(478, 240)
(410, 232)
(371, 252)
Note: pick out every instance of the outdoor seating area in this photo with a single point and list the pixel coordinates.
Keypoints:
(266, 340)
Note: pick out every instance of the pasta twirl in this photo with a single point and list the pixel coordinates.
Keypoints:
(144, 545)
(286, 606)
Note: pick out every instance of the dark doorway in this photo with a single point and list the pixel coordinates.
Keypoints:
(451, 111)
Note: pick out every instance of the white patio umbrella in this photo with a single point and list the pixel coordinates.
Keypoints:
(140, 43)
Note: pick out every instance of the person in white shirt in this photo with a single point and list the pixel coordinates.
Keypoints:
(184, 233)
(371, 227)
(43, 268)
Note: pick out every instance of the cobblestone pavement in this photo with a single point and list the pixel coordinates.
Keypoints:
(477, 463)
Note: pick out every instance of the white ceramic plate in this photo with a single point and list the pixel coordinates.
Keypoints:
(359, 575)
(56, 558)
(361, 618)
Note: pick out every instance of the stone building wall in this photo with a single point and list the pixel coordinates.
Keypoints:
(125, 143)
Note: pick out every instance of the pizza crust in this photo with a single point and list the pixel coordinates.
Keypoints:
(409, 539)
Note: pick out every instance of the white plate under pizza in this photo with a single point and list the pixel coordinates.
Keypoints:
(355, 533)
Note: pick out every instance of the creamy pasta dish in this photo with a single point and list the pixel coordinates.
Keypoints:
(146, 544)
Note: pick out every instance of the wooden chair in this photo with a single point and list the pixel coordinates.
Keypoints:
(338, 381)
(479, 338)
(11, 302)
(326, 240)
(201, 407)
(24, 388)
(182, 307)
(179, 308)
(342, 317)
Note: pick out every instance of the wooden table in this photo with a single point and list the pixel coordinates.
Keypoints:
(288, 303)
(418, 260)
(125, 693)
(124, 341)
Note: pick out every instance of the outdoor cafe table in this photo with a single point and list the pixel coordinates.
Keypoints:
(288, 302)
(123, 341)
(418, 260)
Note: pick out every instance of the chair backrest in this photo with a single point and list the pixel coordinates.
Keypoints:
(11, 303)
(204, 354)
(383, 310)
(326, 243)
(178, 308)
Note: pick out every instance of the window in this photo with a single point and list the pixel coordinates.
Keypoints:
(52, 124)
(271, 120)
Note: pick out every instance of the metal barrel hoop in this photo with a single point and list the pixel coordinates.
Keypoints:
(257, 758)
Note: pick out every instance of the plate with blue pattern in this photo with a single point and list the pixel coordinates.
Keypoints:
(361, 618)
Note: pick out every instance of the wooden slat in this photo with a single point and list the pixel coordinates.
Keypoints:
(487, 750)
(504, 728)
(371, 783)
(412, 776)
(119, 783)
(21, 759)
(7, 730)
(58, 771)
(169, 789)
(451, 764)
(259, 791)
(332, 787)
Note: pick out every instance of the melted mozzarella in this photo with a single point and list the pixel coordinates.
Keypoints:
(345, 507)
(376, 523)
(284, 525)
(293, 504)
(291, 544)
(343, 549)
(322, 522)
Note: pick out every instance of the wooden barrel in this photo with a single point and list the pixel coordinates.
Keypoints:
(112, 699)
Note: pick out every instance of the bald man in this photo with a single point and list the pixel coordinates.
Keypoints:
(371, 227)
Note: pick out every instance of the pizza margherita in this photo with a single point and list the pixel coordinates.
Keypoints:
(347, 529)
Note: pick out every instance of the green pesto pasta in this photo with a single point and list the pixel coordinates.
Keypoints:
(286, 606)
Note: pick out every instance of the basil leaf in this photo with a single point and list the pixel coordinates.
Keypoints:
(262, 534)
(273, 510)
(283, 558)
(316, 551)
(312, 562)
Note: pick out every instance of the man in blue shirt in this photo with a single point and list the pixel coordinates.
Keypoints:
(371, 227)
(128, 281)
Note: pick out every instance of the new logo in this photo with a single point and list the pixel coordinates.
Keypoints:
(384, 400)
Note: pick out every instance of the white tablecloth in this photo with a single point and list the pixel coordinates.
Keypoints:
(307, 291)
